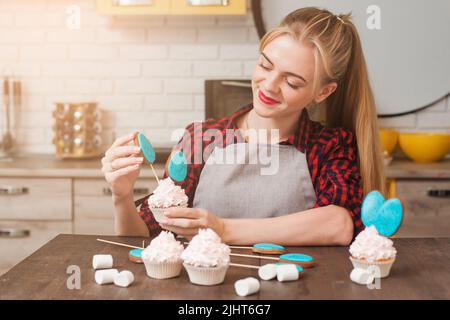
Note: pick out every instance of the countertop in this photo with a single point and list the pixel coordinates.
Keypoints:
(421, 271)
(46, 165)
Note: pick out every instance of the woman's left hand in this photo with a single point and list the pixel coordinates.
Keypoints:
(186, 221)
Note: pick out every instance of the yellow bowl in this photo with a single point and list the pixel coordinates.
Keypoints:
(389, 138)
(425, 147)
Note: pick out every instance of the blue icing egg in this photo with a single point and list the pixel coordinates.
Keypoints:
(296, 257)
(268, 246)
(146, 148)
(136, 253)
(178, 166)
(299, 268)
(389, 217)
(373, 201)
(386, 216)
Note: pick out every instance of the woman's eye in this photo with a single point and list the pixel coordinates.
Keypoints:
(292, 86)
(263, 66)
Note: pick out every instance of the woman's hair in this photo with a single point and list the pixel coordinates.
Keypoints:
(337, 44)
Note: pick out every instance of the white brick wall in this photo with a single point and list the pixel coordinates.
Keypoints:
(147, 73)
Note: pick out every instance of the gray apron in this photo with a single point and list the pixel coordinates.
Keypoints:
(255, 181)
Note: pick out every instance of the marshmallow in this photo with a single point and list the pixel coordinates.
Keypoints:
(105, 276)
(362, 276)
(102, 261)
(268, 271)
(287, 272)
(124, 278)
(247, 286)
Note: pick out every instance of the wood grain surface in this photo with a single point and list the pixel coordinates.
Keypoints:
(421, 271)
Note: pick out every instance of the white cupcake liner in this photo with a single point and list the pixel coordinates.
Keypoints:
(206, 276)
(158, 213)
(163, 270)
(384, 266)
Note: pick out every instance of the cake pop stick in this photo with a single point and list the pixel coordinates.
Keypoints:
(265, 248)
(248, 266)
(147, 151)
(118, 244)
(295, 258)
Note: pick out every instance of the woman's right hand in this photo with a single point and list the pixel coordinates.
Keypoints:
(121, 165)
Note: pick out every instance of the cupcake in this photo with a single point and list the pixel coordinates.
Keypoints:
(162, 258)
(370, 250)
(166, 195)
(206, 258)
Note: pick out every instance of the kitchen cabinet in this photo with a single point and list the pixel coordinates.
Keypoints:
(174, 7)
(48, 196)
(181, 7)
(14, 250)
(35, 198)
(93, 208)
(425, 192)
(111, 7)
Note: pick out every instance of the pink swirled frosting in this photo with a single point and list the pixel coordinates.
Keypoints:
(168, 194)
(206, 250)
(371, 246)
(163, 248)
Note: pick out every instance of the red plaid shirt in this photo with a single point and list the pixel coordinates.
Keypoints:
(331, 155)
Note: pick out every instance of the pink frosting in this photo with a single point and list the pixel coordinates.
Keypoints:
(206, 250)
(371, 246)
(163, 248)
(168, 194)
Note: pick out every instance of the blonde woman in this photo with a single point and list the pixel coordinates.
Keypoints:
(314, 198)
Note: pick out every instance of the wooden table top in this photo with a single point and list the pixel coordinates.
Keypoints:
(421, 271)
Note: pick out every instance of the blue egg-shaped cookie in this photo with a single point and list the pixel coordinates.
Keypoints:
(178, 166)
(386, 216)
(296, 257)
(268, 246)
(146, 148)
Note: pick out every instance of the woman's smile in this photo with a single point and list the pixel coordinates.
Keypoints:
(267, 100)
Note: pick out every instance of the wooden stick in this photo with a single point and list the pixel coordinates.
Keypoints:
(231, 247)
(119, 244)
(154, 173)
(143, 244)
(243, 266)
(252, 256)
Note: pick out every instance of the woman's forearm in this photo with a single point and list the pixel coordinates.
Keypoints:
(330, 225)
(127, 221)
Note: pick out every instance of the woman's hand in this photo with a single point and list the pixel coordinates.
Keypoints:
(121, 165)
(186, 221)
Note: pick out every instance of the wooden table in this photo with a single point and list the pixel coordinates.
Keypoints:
(421, 271)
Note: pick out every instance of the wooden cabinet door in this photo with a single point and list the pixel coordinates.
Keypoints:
(93, 207)
(233, 7)
(427, 208)
(14, 250)
(109, 7)
(35, 199)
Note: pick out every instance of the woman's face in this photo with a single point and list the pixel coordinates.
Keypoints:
(282, 81)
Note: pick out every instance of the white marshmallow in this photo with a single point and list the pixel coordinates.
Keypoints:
(362, 276)
(247, 286)
(124, 278)
(267, 271)
(102, 261)
(105, 276)
(287, 272)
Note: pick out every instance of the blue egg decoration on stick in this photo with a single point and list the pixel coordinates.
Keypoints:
(146, 148)
(178, 166)
(386, 216)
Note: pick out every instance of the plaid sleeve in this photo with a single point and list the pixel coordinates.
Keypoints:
(147, 216)
(189, 147)
(339, 179)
